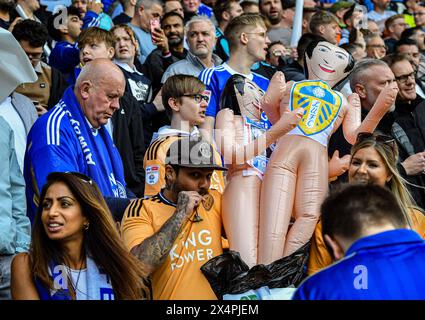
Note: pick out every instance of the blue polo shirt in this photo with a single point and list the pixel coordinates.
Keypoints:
(385, 266)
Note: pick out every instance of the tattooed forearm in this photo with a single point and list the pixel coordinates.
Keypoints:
(153, 250)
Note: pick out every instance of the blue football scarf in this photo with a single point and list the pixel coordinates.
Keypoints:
(98, 284)
(109, 177)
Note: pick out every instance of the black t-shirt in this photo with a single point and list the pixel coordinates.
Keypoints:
(405, 117)
(264, 69)
(4, 24)
(122, 18)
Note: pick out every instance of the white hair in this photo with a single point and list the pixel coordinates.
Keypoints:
(199, 19)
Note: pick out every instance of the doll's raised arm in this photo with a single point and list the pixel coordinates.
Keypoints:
(351, 117)
(273, 96)
(238, 153)
(384, 102)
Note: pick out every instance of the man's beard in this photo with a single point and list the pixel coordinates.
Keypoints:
(201, 53)
(7, 5)
(176, 41)
(276, 20)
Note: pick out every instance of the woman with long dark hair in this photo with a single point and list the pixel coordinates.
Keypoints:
(76, 251)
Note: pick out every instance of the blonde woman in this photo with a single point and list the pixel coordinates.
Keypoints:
(373, 160)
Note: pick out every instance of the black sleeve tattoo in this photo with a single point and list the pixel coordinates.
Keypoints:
(153, 250)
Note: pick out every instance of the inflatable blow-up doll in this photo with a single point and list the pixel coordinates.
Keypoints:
(296, 179)
(243, 134)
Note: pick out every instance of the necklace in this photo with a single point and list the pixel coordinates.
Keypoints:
(75, 286)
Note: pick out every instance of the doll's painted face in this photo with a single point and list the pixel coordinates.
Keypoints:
(249, 97)
(328, 63)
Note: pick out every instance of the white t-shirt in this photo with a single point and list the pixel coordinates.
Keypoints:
(79, 281)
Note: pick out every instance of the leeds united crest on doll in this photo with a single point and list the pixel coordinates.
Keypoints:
(320, 102)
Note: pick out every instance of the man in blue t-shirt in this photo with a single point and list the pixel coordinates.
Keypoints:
(248, 42)
(379, 257)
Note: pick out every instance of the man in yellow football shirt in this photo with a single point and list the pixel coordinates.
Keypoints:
(177, 231)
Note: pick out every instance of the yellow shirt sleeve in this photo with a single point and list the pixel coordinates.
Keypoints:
(418, 220)
(154, 165)
(136, 225)
(154, 176)
(319, 254)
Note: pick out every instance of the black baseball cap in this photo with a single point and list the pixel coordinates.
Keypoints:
(192, 152)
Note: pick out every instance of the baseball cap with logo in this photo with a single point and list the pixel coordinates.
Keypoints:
(192, 152)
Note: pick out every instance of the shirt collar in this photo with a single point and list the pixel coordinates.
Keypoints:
(168, 131)
(92, 129)
(386, 238)
(232, 72)
(165, 200)
(216, 60)
(126, 67)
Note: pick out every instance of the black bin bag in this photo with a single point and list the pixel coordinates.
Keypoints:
(229, 274)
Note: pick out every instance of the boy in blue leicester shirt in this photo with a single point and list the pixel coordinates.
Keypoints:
(383, 259)
(248, 41)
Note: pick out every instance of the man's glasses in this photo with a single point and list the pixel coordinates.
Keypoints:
(35, 56)
(380, 138)
(403, 78)
(198, 97)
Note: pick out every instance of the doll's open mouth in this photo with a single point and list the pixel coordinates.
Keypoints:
(326, 69)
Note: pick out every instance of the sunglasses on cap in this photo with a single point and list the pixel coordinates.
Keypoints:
(382, 138)
(81, 176)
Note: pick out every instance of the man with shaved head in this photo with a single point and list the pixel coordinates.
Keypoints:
(108, 85)
(72, 136)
